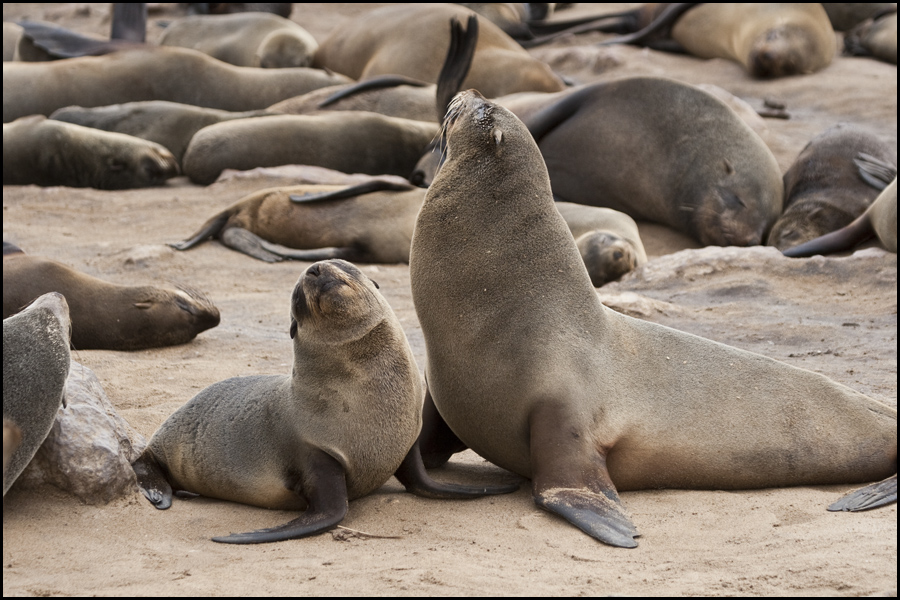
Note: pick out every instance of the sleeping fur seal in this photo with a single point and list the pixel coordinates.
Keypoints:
(658, 150)
(335, 429)
(823, 188)
(530, 370)
(106, 315)
(251, 39)
(151, 73)
(39, 151)
(410, 40)
(35, 366)
(874, 37)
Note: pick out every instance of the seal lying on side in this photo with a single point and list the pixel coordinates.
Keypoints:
(879, 220)
(168, 123)
(35, 367)
(335, 429)
(531, 371)
(40, 151)
(373, 222)
(875, 37)
(823, 188)
(658, 150)
(151, 73)
(105, 315)
(352, 142)
(250, 39)
(410, 39)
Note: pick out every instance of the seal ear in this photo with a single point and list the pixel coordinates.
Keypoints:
(498, 136)
(294, 327)
(377, 287)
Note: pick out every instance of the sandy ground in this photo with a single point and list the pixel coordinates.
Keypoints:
(837, 316)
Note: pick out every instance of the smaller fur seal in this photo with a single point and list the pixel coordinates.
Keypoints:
(252, 39)
(35, 366)
(335, 429)
(823, 189)
(874, 37)
(39, 151)
(105, 315)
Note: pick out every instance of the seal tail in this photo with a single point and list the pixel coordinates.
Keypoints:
(869, 497)
(210, 229)
(844, 238)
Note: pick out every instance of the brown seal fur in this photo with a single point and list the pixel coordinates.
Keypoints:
(336, 428)
(35, 366)
(823, 190)
(244, 39)
(530, 370)
(151, 73)
(658, 150)
(352, 142)
(875, 37)
(410, 40)
(37, 150)
(105, 315)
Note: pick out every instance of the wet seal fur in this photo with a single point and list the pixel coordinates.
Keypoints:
(545, 381)
(335, 429)
(40, 151)
(105, 315)
(35, 366)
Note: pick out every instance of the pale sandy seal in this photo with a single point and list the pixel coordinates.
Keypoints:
(352, 142)
(335, 429)
(530, 370)
(823, 189)
(35, 366)
(410, 40)
(251, 39)
(658, 150)
(40, 151)
(106, 315)
(151, 73)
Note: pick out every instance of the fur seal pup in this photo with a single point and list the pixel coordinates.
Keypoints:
(250, 39)
(35, 366)
(879, 220)
(875, 37)
(352, 142)
(151, 73)
(712, 178)
(409, 40)
(167, 123)
(545, 381)
(105, 315)
(37, 150)
(335, 429)
(823, 189)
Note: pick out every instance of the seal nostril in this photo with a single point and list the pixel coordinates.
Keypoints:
(618, 255)
(313, 271)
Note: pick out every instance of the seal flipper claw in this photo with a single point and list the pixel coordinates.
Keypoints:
(865, 498)
(324, 486)
(152, 481)
(597, 515)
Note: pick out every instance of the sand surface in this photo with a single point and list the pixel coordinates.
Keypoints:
(837, 316)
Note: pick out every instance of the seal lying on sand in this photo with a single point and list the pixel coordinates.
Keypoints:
(531, 371)
(105, 315)
(335, 429)
(35, 367)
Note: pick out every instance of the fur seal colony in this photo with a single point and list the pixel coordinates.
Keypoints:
(527, 367)
(335, 429)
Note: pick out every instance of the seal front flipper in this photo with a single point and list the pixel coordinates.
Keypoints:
(411, 473)
(324, 485)
(437, 442)
(872, 496)
(152, 480)
(876, 173)
(570, 478)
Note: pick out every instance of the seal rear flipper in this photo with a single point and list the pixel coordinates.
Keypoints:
(152, 480)
(374, 185)
(437, 442)
(570, 478)
(211, 228)
(374, 83)
(869, 497)
(411, 473)
(844, 238)
(251, 244)
(324, 486)
(875, 172)
(659, 28)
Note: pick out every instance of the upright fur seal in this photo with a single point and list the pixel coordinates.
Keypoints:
(106, 315)
(335, 429)
(410, 40)
(658, 150)
(823, 189)
(251, 39)
(40, 151)
(35, 367)
(151, 73)
(530, 370)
